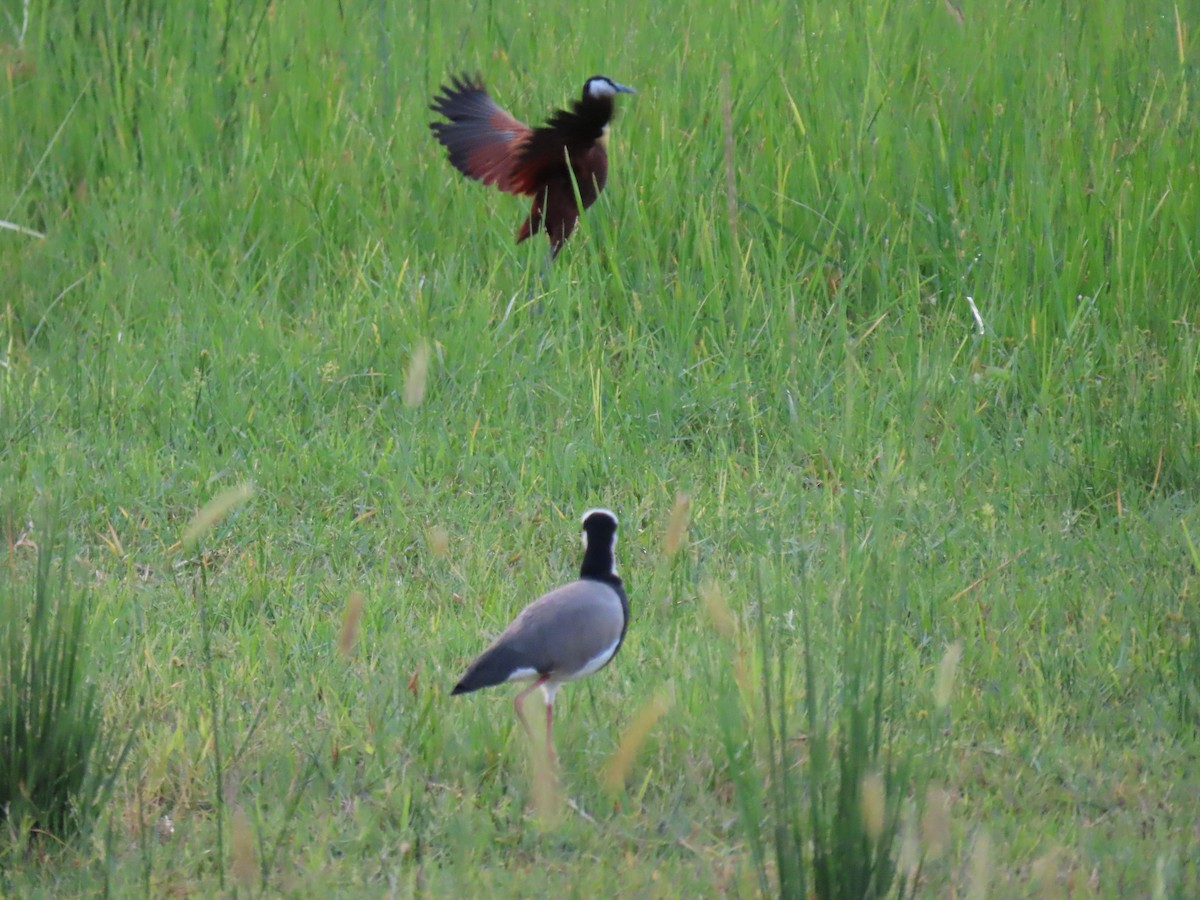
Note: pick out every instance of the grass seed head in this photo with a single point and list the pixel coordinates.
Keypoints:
(350, 621)
(243, 861)
(635, 735)
(214, 511)
(935, 821)
(979, 868)
(943, 687)
(438, 539)
(713, 599)
(677, 525)
(415, 378)
(873, 804)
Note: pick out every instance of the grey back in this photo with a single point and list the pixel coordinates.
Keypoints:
(561, 632)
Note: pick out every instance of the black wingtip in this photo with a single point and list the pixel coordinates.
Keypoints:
(494, 666)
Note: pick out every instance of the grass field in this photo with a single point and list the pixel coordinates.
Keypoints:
(258, 269)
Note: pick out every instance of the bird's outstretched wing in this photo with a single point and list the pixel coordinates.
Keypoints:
(484, 141)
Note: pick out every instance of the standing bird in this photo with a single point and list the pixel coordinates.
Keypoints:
(489, 145)
(570, 632)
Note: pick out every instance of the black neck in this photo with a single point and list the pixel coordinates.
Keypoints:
(595, 110)
(586, 119)
(599, 564)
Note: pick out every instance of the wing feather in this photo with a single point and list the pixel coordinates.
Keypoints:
(484, 141)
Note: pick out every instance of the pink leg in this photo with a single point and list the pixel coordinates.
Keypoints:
(519, 702)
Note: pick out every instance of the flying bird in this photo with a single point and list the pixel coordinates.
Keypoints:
(486, 143)
(570, 632)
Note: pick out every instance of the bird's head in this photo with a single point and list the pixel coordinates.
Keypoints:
(602, 86)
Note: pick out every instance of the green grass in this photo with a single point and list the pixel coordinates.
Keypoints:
(56, 760)
(250, 233)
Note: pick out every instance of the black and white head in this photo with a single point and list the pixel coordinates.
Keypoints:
(600, 86)
(599, 543)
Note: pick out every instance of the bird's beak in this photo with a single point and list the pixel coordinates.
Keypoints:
(624, 88)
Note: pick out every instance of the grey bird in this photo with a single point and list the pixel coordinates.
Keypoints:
(572, 631)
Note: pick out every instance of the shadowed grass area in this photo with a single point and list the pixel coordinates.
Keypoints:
(901, 296)
(58, 760)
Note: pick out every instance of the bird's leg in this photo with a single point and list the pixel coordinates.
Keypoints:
(519, 703)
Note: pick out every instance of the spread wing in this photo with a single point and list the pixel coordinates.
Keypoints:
(484, 141)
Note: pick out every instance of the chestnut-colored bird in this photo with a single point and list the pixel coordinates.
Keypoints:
(489, 145)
